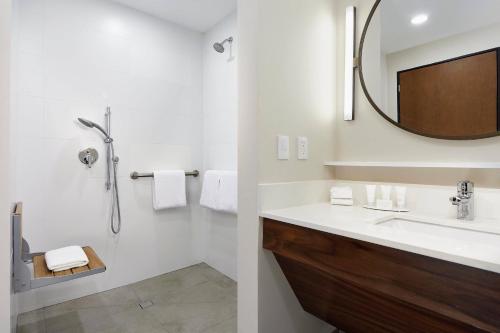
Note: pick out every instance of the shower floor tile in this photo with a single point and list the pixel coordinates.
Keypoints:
(197, 299)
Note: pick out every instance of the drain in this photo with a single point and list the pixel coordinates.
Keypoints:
(146, 304)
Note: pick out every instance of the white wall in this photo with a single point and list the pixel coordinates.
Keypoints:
(374, 57)
(220, 112)
(296, 54)
(73, 59)
(287, 85)
(248, 228)
(296, 68)
(6, 299)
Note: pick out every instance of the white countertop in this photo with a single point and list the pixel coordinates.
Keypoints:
(362, 224)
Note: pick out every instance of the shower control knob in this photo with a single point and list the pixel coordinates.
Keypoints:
(88, 157)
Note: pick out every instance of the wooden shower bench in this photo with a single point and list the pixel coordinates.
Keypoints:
(42, 276)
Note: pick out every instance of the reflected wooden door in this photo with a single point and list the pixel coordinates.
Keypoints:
(455, 98)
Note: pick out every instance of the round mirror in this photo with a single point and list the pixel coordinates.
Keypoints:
(432, 67)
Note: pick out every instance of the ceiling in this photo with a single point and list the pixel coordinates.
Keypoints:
(198, 15)
(446, 18)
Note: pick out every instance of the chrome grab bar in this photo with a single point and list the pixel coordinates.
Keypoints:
(137, 175)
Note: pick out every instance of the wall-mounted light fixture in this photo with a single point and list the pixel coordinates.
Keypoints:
(350, 62)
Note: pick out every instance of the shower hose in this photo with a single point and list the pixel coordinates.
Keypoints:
(115, 202)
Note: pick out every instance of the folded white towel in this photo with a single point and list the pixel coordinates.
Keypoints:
(341, 192)
(228, 192)
(169, 189)
(66, 258)
(211, 183)
(342, 202)
(220, 191)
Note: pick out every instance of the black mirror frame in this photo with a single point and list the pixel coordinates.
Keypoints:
(375, 106)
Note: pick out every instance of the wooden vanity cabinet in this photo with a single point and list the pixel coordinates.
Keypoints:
(362, 287)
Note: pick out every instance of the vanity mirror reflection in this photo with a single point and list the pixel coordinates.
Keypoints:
(432, 67)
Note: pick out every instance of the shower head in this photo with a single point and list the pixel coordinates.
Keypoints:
(91, 124)
(219, 47)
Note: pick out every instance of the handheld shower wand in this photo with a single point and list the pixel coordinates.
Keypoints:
(91, 124)
(111, 170)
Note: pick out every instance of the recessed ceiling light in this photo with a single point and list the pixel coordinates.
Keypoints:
(419, 19)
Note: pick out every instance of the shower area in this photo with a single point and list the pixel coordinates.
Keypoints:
(105, 95)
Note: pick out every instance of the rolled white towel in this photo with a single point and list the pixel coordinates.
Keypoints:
(66, 258)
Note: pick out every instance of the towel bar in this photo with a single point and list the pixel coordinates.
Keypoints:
(136, 175)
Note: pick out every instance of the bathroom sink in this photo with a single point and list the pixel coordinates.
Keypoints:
(436, 232)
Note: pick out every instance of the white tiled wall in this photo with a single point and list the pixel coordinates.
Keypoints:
(74, 58)
(220, 141)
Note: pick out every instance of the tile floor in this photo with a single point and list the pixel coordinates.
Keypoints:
(196, 299)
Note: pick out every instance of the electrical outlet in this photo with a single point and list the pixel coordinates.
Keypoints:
(283, 147)
(302, 148)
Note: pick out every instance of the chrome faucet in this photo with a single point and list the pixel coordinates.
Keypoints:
(464, 200)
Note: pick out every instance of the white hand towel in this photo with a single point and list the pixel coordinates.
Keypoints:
(220, 191)
(228, 192)
(169, 189)
(341, 192)
(66, 258)
(210, 189)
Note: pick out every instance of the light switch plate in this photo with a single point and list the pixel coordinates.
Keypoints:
(283, 147)
(302, 148)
